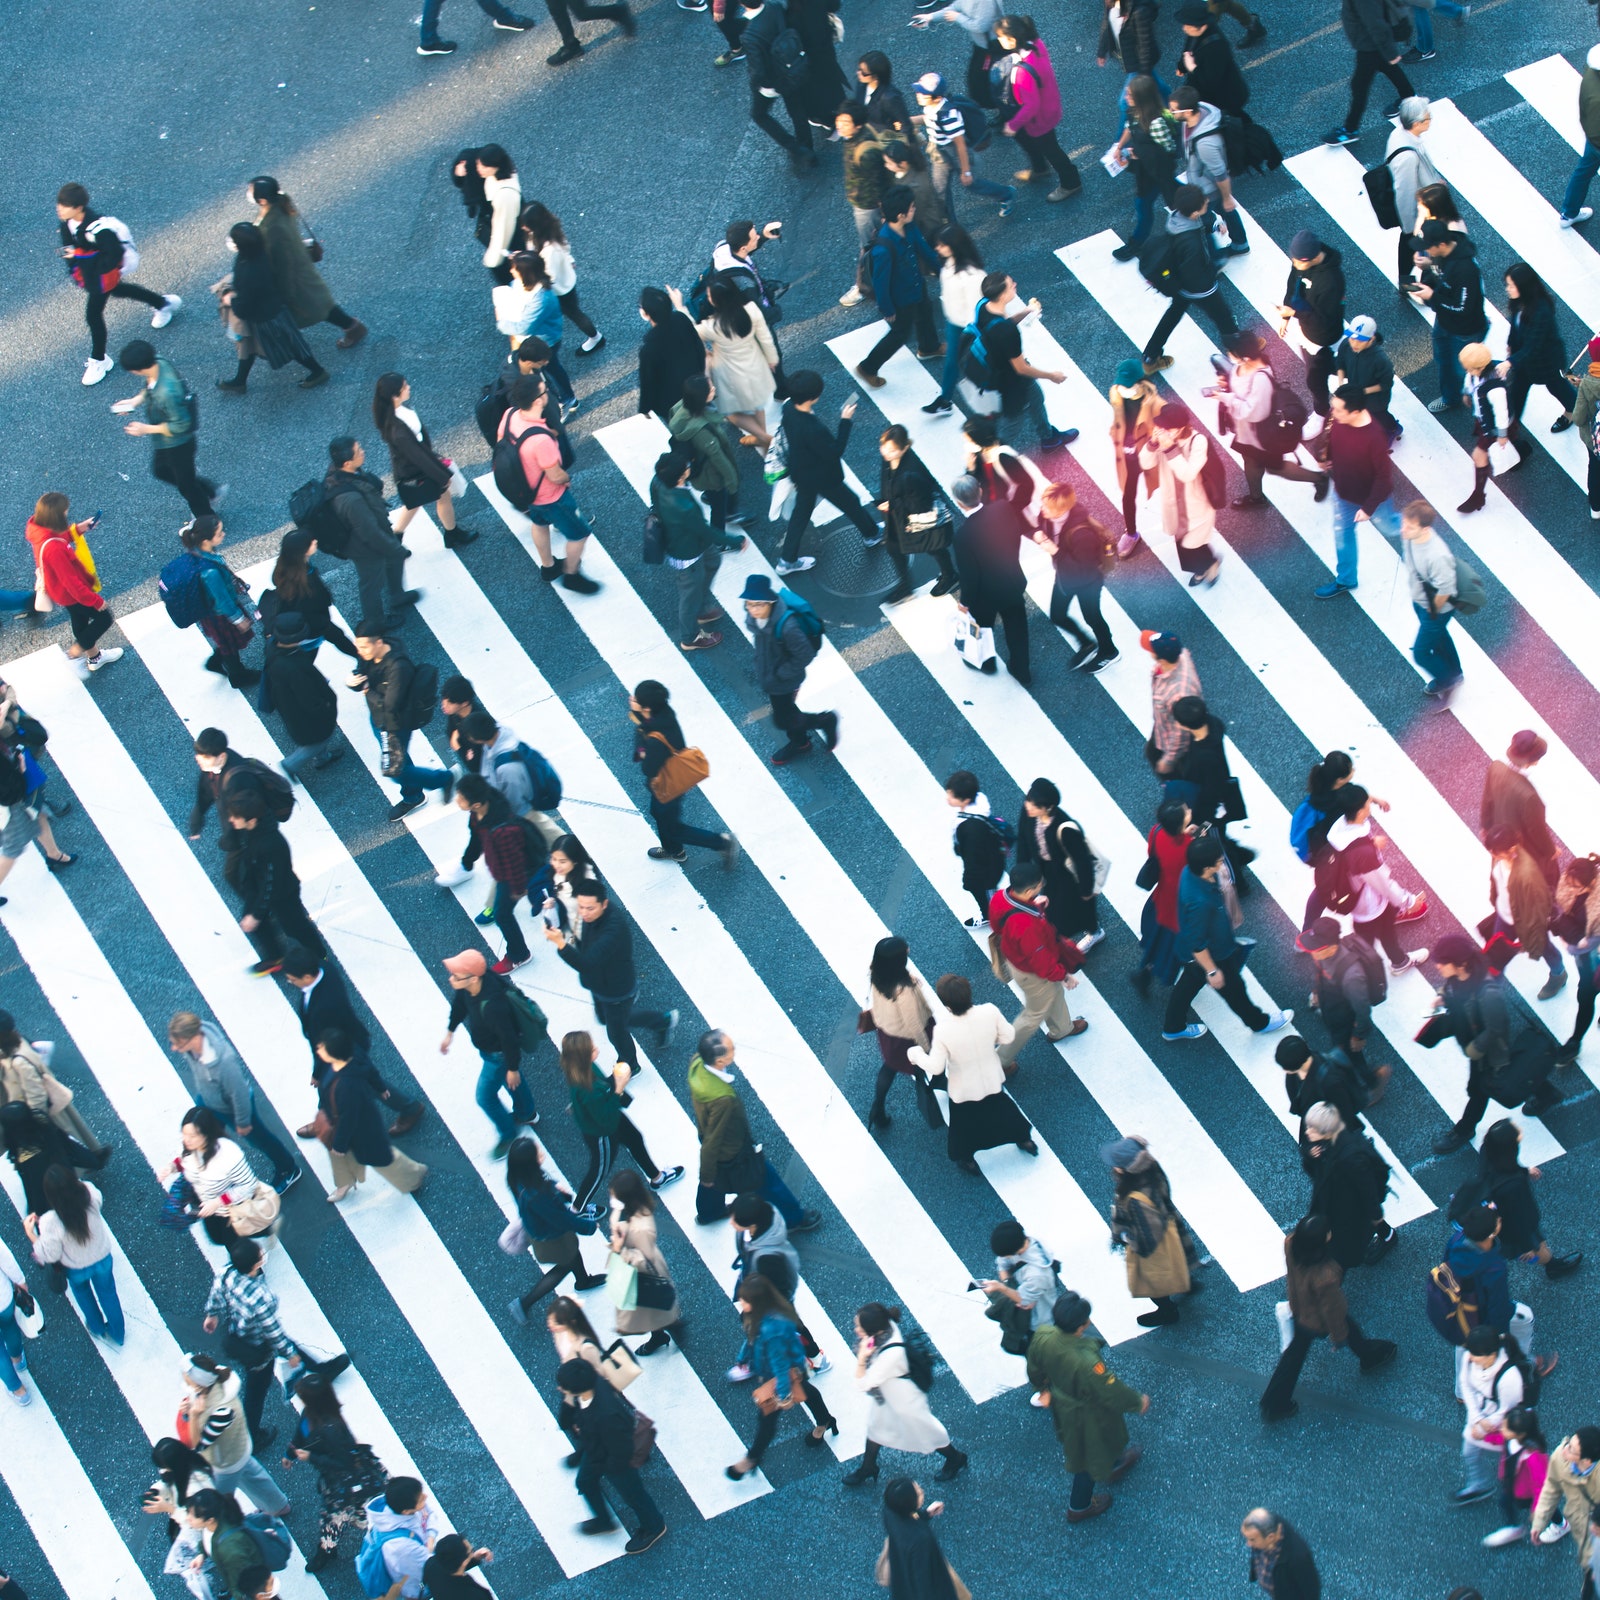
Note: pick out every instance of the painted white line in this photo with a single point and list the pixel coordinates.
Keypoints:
(1551, 88)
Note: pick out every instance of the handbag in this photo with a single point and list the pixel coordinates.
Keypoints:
(458, 481)
(766, 1398)
(1233, 806)
(514, 1239)
(43, 605)
(322, 1126)
(313, 249)
(29, 1316)
(652, 1293)
(1149, 874)
(619, 1366)
(622, 1283)
(973, 644)
(864, 1022)
(644, 1439)
(256, 1213)
(682, 771)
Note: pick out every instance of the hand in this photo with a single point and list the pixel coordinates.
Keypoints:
(1188, 61)
(1099, 61)
(483, 1556)
(445, 1043)
(1069, 982)
(1504, 369)
(243, 1129)
(675, 294)
(556, 937)
(934, 1510)
(1421, 292)
(461, 169)
(513, 1080)
(194, 838)
(210, 1208)
(1395, 62)
(210, 1324)
(772, 230)
(1382, 805)
(1215, 978)
(249, 923)
(883, 505)
(848, 410)
(966, 177)
(137, 428)
(1535, 1172)
(1056, 377)
(1144, 1404)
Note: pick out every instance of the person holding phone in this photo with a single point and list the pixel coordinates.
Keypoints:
(816, 466)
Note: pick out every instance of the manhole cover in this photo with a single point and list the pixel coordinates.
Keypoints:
(845, 567)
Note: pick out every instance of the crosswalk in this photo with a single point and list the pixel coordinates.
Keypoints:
(916, 1235)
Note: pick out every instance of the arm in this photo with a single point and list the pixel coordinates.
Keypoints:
(763, 337)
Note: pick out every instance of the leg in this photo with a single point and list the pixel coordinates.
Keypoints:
(1082, 1491)
(1157, 343)
(617, 1018)
(1038, 994)
(263, 1138)
(291, 918)
(1424, 21)
(403, 1173)
(1578, 183)
(175, 465)
(588, 1485)
(761, 115)
(1478, 1463)
(1319, 372)
(1255, 466)
(505, 919)
(777, 1193)
(805, 502)
(878, 1112)
(1397, 76)
(1594, 483)
(951, 375)
(844, 498)
(1366, 69)
(562, 19)
(1381, 931)
(491, 1080)
(632, 1141)
(1014, 619)
(1561, 391)
(627, 1482)
(1067, 174)
(253, 1478)
(1237, 998)
(571, 1262)
(81, 1282)
(1089, 604)
(1276, 1397)
(574, 313)
(1346, 549)
(558, 376)
(787, 718)
(766, 1428)
(1061, 615)
(1216, 307)
(257, 1384)
(901, 327)
(10, 1349)
(94, 313)
(1190, 982)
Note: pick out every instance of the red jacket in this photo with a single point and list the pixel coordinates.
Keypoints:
(65, 581)
(1028, 939)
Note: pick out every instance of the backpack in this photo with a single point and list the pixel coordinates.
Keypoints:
(1452, 1306)
(976, 362)
(371, 1569)
(272, 1539)
(311, 510)
(1280, 431)
(533, 1026)
(789, 62)
(698, 299)
(919, 1355)
(1473, 1193)
(1155, 264)
(802, 611)
(1470, 593)
(276, 791)
(1378, 181)
(1301, 824)
(129, 265)
(510, 477)
(544, 786)
(653, 542)
(1372, 967)
(975, 129)
(493, 403)
(422, 696)
(1214, 477)
(1003, 827)
(1249, 147)
(183, 591)
(1333, 882)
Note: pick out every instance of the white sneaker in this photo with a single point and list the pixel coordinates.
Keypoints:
(1414, 958)
(799, 564)
(1279, 1019)
(1089, 941)
(821, 1364)
(852, 296)
(1503, 1536)
(1555, 1533)
(453, 877)
(593, 342)
(738, 1373)
(105, 658)
(1584, 213)
(164, 315)
(94, 371)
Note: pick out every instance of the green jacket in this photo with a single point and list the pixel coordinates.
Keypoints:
(709, 439)
(688, 535)
(1589, 105)
(1087, 1400)
(308, 298)
(1588, 396)
(866, 179)
(233, 1552)
(597, 1109)
(719, 1115)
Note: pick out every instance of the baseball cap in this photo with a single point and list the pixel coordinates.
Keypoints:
(1304, 246)
(1361, 328)
(1163, 646)
(1435, 232)
(469, 964)
(931, 84)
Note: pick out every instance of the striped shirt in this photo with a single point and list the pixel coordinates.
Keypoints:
(247, 1308)
(945, 123)
(226, 1174)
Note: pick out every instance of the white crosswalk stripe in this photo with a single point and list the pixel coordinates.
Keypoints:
(1550, 86)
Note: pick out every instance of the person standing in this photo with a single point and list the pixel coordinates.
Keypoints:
(98, 250)
(1358, 462)
(1411, 168)
(372, 546)
(432, 45)
(1177, 452)
(1180, 264)
(1087, 1403)
(1313, 300)
(1211, 951)
(421, 476)
(1246, 398)
(1030, 86)
(68, 583)
(785, 646)
(294, 268)
(1431, 573)
(1348, 1182)
(987, 552)
(171, 421)
(1281, 1563)
(764, 22)
(359, 1138)
(658, 739)
(1040, 960)
(302, 697)
(1377, 33)
(912, 514)
(693, 549)
(899, 1417)
(480, 999)
(387, 678)
(815, 459)
(269, 889)
(73, 1235)
(1203, 158)
(1451, 286)
(222, 1084)
(1573, 210)
(899, 261)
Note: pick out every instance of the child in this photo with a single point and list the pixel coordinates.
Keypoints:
(1524, 1459)
(981, 840)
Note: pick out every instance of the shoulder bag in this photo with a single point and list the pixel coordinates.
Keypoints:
(256, 1214)
(682, 771)
(618, 1363)
(766, 1398)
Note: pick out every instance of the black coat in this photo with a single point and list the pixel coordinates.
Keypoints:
(1533, 346)
(987, 551)
(235, 778)
(315, 606)
(329, 1007)
(359, 504)
(413, 462)
(756, 42)
(1068, 866)
(1317, 294)
(816, 454)
(825, 86)
(388, 686)
(1348, 1182)
(359, 1128)
(1326, 1081)
(1216, 77)
(301, 695)
(910, 491)
(264, 871)
(1379, 25)
(1205, 765)
(602, 1430)
(670, 352)
(1295, 1576)
(603, 957)
(255, 291)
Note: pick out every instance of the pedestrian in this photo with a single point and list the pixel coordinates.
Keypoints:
(1056, 845)
(731, 1162)
(700, 432)
(294, 257)
(1281, 1562)
(547, 1217)
(1572, 1484)
(981, 839)
(297, 586)
(1411, 169)
(1178, 453)
(223, 1086)
(546, 235)
(512, 852)
(34, 1144)
(1203, 159)
(762, 1237)
(228, 614)
(180, 1474)
(402, 1527)
(211, 1421)
(98, 250)
(1524, 1466)
(359, 1137)
(1316, 814)
(1025, 1288)
(995, 355)
(908, 163)
(269, 888)
(898, 260)
(1358, 463)
(743, 357)
(961, 276)
(73, 1236)
(257, 318)
(527, 308)
(786, 645)
(656, 1310)
(911, 1566)
(1313, 301)
(569, 865)
(671, 352)
(502, 193)
(1573, 210)
(1179, 264)
(1128, 34)
(1431, 573)
(898, 1011)
(987, 552)
(549, 485)
(422, 477)
(1310, 1080)
(389, 678)
(1577, 923)
(1523, 904)
(603, 959)
(223, 771)
(1489, 405)
(530, 785)
(1208, 64)
(371, 545)
(913, 516)
(302, 697)
(1450, 284)
(1264, 432)
(1492, 1384)
(776, 1358)
(866, 181)
(815, 462)
(1348, 1182)
(1087, 1401)
(1361, 361)
(226, 1189)
(1512, 800)
(1504, 1184)
(1377, 33)
(1209, 947)
(64, 580)
(347, 1472)
(1038, 959)
(597, 1100)
(1166, 852)
(1533, 347)
(1135, 402)
(943, 137)
(734, 258)
(1349, 980)
(1152, 140)
(1083, 554)
(1146, 1227)
(432, 45)
(1203, 780)
(172, 423)
(882, 105)
(229, 1550)
(25, 1075)
(899, 1417)
(658, 743)
(966, 1054)
(446, 1574)
(691, 547)
(1374, 901)
(480, 998)
(603, 1430)
(1033, 101)
(773, 79)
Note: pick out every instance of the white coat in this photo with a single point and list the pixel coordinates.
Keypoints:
(967, 1050)
(899, 1417)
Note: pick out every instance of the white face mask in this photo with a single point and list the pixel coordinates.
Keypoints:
(233, 249)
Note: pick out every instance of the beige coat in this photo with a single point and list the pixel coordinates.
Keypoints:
(741, 368)
(639, 1249)
(1178, 474)
(906, 1016)
(1149, 404)
(25, 1077)
(967, 1050)
(1576, 1499)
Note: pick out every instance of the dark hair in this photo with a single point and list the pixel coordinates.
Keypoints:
(371, 628)
(1312, 1240)
(451, 1551)
(1351, 397)
(1531, 289)
(137, 355)
(900, 1496)
(402, 1494)
(338, 1043)
(246, 805)
(993, 283)
(247, 241)
(805, 384)
(320, 1399)
(1485, 1341)
(653, 696)
(198, 530)
(267, 189)
(628, 1187)
(72, 195)
(1022, 29)
(342, 448)
(473, 787)
(896, 202)
(68, 1196)
(1326, 775)
(1479, 1224)
(208, 1125)
(1498, 1151)
(572, 848)
(852, 110)
(592, 887)
(525, 1165)
(1292, 1053)
(1170, 817)
(1185, 98)
(981, 430)
(530, 269)
(711, 1046)
(212, 1505)
(751, 1211)
(1144, 99)
(1440, 202)
(1204, 851)
(1524, 1422)
(1042, 792)
(525, 391)
(655, 303)
(243, 1254)
(1354, 798)
(177, 1464)
(1025, 875)
(494, 155)
(11, 1040)
(541, 224)
(1190, 711)
(535, 352)
(764, 1299)
(1501, 840)
(737, 234)
(291, 576)
(1070, 1311)
(1007, 1237)
(1188, 199)
(670, 467)
(897, 150)
(385, 396)
(876, 63)
(696, 394)
(457, 690)
(728, 310)
(254, 1580)
(576, 1377)
(875, 1318)
(210, 742)
(955, 994)
(963, 252)
(890, 973)
(963, 785)
(299, 962)
(569, 1314)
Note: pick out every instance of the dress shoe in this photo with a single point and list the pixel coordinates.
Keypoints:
(1097, 1507)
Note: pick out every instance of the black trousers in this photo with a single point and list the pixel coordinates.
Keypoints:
(732, 27)
(630, 1488)
(902, 564)
(574, 313)
(88, 626)
(1257, 464)
(1280, 1386)
(1585, 1016)
(767, 1425)
(1088, 598)
(1234, 995)
(1045, 149)
(761, 114)
(563, 11)
(1013, 615)
(1214, 306)
(838, 494)
(571, 1262)
(907, 320)
(1319, 373)
(603, 1156)
(1368, 65)
(790, 719)
(94, 312)
(286, 924)
(175, 465)
(926, 1103)
(618, 1018)
(1520, 382)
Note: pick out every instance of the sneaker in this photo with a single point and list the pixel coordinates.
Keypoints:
(1279, 1019)
(284, 1184)
(1058, 438)
(1339, 135)
(708, 639)
(939, 405)
(1470, 1497)
(641, 1541)
(657, 853)
(1195, 1030)
(671, 1175)
(1125, 252)
(1583, 215)
(727, 58)
(691, 5)
(265, 967)
(164, 314)
(515, 25)
(730, 852)
(578, 583)
(977, 924)
(1440, 405)
(505, 965)
(784, 754)
(821, 1364)
(739, 1372)
(1089, 941)
(439, 47)
(1414, 958)
(808, 1221)
(1062, 192)
(596, 340)
(404, 808)
(453, 877)
(568, 52)
(670, 1029)
(799, 564)
(105, 658)
(830, 737)
(1415, 911)
(873, 544)
(1127, 544)
(851, 297)
(23, 1396)
(1039, 1402)
(1102, 661)
(1451, 1140)
(1555, 1533)
(94, 371)
(1331, 591)
(1155, 364)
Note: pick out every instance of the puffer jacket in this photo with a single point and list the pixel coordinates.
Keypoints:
(709, 438)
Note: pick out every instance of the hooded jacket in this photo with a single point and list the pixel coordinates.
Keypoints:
(1316, 295)
(1365, 869)
(359, 504)
(710, 441)
(1189, 258)
(300, 694)
(1457, 285)
(1136, 46)
(771, 1254)
(404, 1557)
(1349, 983)
(1204, 153)
(1369, 370)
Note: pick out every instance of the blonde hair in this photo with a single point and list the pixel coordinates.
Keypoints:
(1059, 499)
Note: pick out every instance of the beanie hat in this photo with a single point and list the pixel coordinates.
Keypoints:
(1304, 246)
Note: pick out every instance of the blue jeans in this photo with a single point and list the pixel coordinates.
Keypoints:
(1480, 1464)
(951, 376)
(491, 1080)
(16, 599)
(777, 1192)
(1424, 20)
(1578, 183)
(557, 374)
(1144, 216)
(947, 181)
(262, 1137)
(95, 1290)
(10, 1349)
(1447, 350)
(1385, 519)
(1434, 650)
(562, 514)
(1552, 951)
(432, 8)
(412, 778)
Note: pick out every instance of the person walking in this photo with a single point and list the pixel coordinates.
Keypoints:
(1179, 264)
(1358, 463)
(987, 554)
(1489, 405)
(1376, 903)
(785, 645)
(996, 361)
(1246, 397)
(1348, 1182)
(1512, 800)
(1377, 32)
(656, 1310)
(1492, 1384)
(371, 545)
(1166, 852)
(1203, 780)
(269, 889)
(1128, 35)
(1135, 402)
(1572, 1484)
(73, 1236)
(1051, 841)
(1361, 361)
(943, 136)
(1431, 574)
(431, 44)
(815, 461)
(882, 105)
(1573, 210)
(1081, 551)
(480, 998)
(359, 1137)
(513, 850)
(966, 1054)
(222, 1180)
(297, 586)
(899, 1417)
(421, 476)
(1450, 284)
(899, 260)
(701, 433)
(1177, 452)
(1210, 948)
(65, 581)
(1029, 85)
(1313, 303)
(765, 21)
(302, 697)
(776, 1358)
(1504, 1184)
(602, 1430)
(348, 1473)
(1146, 1227)
(911, 1564)
(1203, 161)
(1281, 1563)
(913, 519)
(211, 1421)
(743, 357)
(223, 1086)
(961, 276)
(25, 1076)
(671, 352)
(171, 423)
(1522, 901)
(98, 250)
(1041, 962)
(227, 1550)
(227, 613)
(597, 1099)
(866, 181)
(1207, 64)
(692, 548)
(552, 502)
(402, 1526)
(257, 316)
(980, 839)
(1319, 1310)
(1349, 980)
(1577, 923)
(1310, 1079)
(388, 678)
(547, 1216)
(658, 740)
(528, 308)
(899, 1013)
(294, 264)
(731, 1162)
(1411, 168)
(545, 235)
(1087, 1402)
(1533, 347)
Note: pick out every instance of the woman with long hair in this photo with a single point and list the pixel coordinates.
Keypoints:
(743, 357)
(73, 1234)
(25, 1075)
(257, 317)
(502, 194)
(906, 162)
(421, 476)
(181, 1473)
(545, 1211)
(1576, 922)
(543, 230)
(597, 1108)
(59, 555)
(1504, 1183)
(899, 1011)
(911, 1566)
(1533, 347)
(215, 1167)
(913, 516)
(294, 264)
(1153, 141)
(227, 1545)
(961, 275)
(776, 1359)
(348, 1473)
(230, 616)
(634, 1240)
(297, 586)
(569, 864)
(671, 351)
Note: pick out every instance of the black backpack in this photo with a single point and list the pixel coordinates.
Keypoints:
(1249, 147)
(1281, 430)
(1379, 184)
(311, 510)
(975, 127)
(919, 1356)
(422, 695)
(1372, 967)
(1214, 477)
(276, 791)
(1333, 882)
(789, 62)
(492, 405)
(510, 477)
(1155, 264)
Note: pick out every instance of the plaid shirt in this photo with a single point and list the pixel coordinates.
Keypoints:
(248, 1309)
(1166, 689)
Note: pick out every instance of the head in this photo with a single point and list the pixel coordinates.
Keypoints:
(672, 469)
(1016, 33)
(967, 492)
(1416, 115)
(570, 859)
(629, 1192)
(955, 244)
(139, 356)
(527, 395)
(1322, 937)
(1165, 649)
(530, 270)
(1204, 855)
(847, 121)
(655, 305)
(930, 89)
(1173, 817)
(577, 1058)
(466, 970)
(1359, 333)
(1482, 1226)
(201, 533)
(201, 1132)
(1348, 404)
(457, 697)
(955, 994)
(805, 386)
(345, 453)
(1071, 1312)
(1583, 1448)
(1323, 1123)
(245, 237)
(244, 812)
(72, 202)
(533, 356)
(1498, 1149)
(1190, 712)
(1043, 799)
(1525, 286)
(1357, 803)
(716, 1049)
(898, 205)
(759, 598)
(1184, 104)
(1262, 1529)
(336, 1048)
(390, 390)
(318, 1398)
(1476, 358)
(265, 192)
(590, 894)
(68, 1196)
(875, 1321)
(452, 1552)
(1172, 424)
(982, 433)
(760, 1298)
(742, 236)
(1438, 239)
(1144, 99)
(50, 511)
(902, 1497)
(404, 1496)
(890, 965)
(1331, 773)
(961, 788)
(369, 640)
(212, 1510)
(1311, 1240)
(1416, 521)
(1438, 203)
(542, 225)
(565, 1312)
(1484, 1345)
(1058, 501)
(698, 391)
(493, 162)
(1007, 1238)
(1527, 749)
(1026, 881)
(1456, 956)
(893, 443)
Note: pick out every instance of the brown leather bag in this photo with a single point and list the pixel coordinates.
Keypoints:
(682, 771)
(766, 1398)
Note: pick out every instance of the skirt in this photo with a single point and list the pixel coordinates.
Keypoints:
(277, 341)
(894, 1054)
(982, 1124)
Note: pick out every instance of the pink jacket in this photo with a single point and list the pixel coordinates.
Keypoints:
(1033, 85)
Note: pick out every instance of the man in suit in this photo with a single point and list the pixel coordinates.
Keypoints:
(322, 1002)
(987, 555)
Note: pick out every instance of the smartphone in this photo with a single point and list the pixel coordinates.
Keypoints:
(123, 407)
(852, 399)
(549, 915)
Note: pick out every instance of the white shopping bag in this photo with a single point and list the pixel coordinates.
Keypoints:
(1502, 456)
(973, 644)
(1285, 1325)
(980, 402)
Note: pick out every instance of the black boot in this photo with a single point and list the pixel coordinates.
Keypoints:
(1474, 501)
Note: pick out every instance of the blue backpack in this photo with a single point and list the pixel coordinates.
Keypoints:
(543, 784)
(1306, 817)
(802, 611)
(272, 1540)
(183, 590)
(371, 1569)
